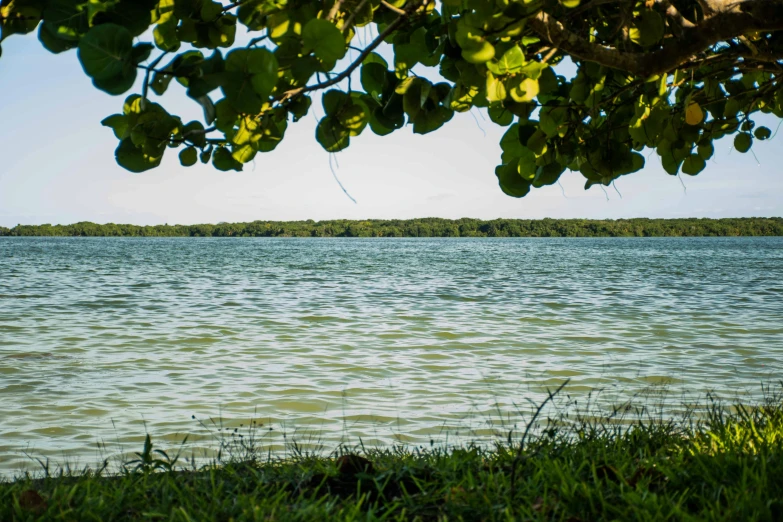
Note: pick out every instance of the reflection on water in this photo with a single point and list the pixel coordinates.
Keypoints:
(381, 339)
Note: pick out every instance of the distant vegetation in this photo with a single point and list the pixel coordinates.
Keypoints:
(426, 227)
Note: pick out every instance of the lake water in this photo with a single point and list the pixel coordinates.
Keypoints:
(378, 340)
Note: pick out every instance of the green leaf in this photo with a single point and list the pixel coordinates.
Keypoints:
(65, 20)
(332, 136)
(523, 89)
(194, 133)
(119, 124)
(693, 164)
(510, 144)
(762, 133)
(165, 36)
(647, 29)
(354, 117)
(134, 15)
(52, 42)
(373, 78)
(537, 142)
(670, 164)
(475, 48)
(375, 58)
(224, 161)
(333, 100)
(431, 120)
(105, 52)
(743, 142)
(378, 124)
(118, 85)
(501, 116)
(133, 158)
(298, 107)
(496, 90)
(141, 52)
(526, 165)
(325, 39)
(188, 157)
(511, 182)
(252, 14)
(511, 62)
(258, 66)
(706, 150)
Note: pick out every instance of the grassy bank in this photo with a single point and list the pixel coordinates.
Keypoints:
(426, 227)
(727, 465)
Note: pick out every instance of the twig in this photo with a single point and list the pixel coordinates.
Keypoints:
(537, 413)
(353, 15)
(390, 7)
(150, 68)
(334, 10)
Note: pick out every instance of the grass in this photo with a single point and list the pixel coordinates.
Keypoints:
(714, 462)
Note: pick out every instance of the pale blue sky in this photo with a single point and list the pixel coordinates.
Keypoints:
(58, 167)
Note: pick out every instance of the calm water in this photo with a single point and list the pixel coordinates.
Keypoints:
(331, 340)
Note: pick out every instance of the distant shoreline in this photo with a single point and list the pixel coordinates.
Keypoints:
(425, 227)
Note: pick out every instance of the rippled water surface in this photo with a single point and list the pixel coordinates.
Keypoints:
(382, 340)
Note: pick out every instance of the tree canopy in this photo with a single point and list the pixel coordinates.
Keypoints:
(668, 75)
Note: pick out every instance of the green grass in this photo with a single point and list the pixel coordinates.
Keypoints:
(714, 463)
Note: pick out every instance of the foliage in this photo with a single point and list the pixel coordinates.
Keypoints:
(428, 227)
(672, 76)
(726, 466)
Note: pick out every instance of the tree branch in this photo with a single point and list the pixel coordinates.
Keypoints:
(739, 19)
(674, 14)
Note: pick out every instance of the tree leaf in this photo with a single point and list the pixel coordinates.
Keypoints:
(325, 39)
(332, 136)
(188, 156)
(762, 133)
(105, 52)
(693, 114)
(133, 158)
(743, 142)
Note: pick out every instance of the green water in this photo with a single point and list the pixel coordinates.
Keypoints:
(378, 340)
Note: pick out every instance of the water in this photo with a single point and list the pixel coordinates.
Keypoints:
(383, 340)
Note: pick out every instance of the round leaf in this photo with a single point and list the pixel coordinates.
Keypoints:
(325, 39)
(693, 164)
(105, 51)
(693, 114)
(743, 141)
(188, 157)
(762, 133)
(332, 136)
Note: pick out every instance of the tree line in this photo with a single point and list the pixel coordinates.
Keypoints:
(425, 227)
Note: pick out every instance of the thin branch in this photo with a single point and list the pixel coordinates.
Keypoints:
(150, 68)
(674, 14)
(334, 10)
(390, 7)
(353, 15)
(518, 457)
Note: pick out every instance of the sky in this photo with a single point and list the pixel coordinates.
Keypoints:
(57, 166)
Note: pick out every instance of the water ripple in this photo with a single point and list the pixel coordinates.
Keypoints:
(388, 340)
